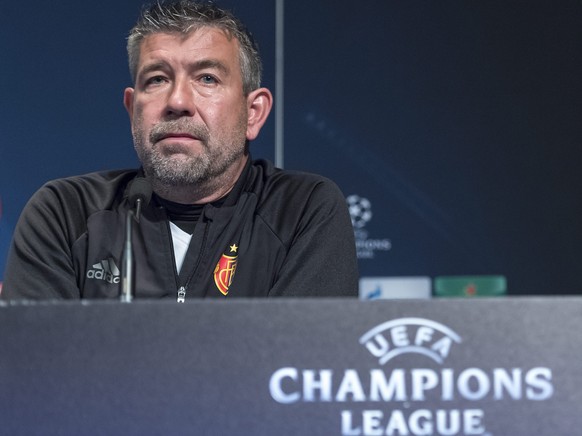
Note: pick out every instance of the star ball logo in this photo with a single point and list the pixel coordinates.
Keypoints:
(360, 209)
(411, 400)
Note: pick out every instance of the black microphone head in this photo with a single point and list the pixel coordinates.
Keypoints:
(140, 189)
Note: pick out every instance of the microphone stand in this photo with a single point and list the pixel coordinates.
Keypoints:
(128, 262)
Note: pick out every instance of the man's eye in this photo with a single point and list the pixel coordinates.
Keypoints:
(208, 79)
(156, 80)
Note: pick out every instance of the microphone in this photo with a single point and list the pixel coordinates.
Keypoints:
(140, 193)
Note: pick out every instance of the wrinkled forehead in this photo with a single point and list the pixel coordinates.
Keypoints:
(203, 49)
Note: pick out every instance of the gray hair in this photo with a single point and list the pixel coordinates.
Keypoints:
(185, 16)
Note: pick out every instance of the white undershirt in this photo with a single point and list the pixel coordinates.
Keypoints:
(181, 241)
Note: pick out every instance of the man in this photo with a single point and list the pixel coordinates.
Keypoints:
(218, 224)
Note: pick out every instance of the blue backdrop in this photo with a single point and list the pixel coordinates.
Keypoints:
(453, 127)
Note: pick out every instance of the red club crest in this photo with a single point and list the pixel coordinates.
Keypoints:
(224, 271)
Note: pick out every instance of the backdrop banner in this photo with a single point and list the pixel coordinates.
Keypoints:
(452, 127)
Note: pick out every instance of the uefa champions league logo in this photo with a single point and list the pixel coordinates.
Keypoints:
(360, 209)
(407, 397)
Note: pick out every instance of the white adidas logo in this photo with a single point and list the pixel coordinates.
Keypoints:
(105, 270)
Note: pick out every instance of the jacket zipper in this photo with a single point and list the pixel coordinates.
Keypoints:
(181, 293)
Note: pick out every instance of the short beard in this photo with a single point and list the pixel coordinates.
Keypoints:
(171, 171)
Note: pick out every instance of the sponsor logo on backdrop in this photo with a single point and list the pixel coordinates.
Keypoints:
(424, 397)
(375, 288)
(361, 214)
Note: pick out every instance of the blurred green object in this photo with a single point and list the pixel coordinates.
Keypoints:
(470, 286)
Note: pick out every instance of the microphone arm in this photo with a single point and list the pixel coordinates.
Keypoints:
(140, 193)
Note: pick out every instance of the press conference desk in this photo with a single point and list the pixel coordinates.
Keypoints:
(508, 366)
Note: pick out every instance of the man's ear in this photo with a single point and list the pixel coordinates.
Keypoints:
(259, 103)
(128, 101)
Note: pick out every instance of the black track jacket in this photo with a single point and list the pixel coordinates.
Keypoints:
(278, 233)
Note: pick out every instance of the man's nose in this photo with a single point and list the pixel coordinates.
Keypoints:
(181, 99)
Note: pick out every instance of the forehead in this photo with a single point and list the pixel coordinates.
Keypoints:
(202, 43)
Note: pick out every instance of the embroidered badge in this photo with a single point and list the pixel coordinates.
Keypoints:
(225, 268)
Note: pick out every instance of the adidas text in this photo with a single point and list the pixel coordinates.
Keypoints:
(101, 275)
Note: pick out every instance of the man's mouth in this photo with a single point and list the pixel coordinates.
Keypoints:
(178, 132)
(177, 136)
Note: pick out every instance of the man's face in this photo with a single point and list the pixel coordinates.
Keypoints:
(188, 111)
